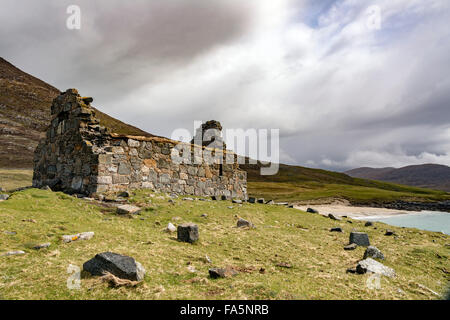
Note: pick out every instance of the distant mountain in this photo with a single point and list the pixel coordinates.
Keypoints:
(434, 176)
(25, 114)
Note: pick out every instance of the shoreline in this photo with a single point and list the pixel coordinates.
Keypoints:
(355, 212)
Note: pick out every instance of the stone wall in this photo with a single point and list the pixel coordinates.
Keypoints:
(81, 156)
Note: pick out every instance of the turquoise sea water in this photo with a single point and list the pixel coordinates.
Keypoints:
(425, 220)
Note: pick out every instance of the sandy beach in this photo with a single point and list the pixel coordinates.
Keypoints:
(353, 212)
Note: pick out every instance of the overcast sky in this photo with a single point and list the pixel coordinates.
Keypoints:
(343, 92)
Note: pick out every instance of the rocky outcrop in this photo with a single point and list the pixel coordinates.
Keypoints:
(79, 155)
(120, 266)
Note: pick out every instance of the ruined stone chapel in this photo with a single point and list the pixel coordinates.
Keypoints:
(81, 155)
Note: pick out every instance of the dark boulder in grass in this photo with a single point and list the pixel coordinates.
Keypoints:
(251, 200)
(333, 217)
(368, 224)
(389, 233)
(336, 229)
(227, 272)
(121, 266)
(373, 252)
(311, 210)
(242, 223)
(359, 238)
(187, 232)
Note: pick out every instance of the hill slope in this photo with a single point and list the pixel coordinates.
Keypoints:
(25, 114)
(296, 183)
(433, 176)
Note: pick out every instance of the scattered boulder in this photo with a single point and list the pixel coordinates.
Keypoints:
(242, 223)
(208, 260)
(222, 272)
(373, 252)
(4, 197)
(360, 238)
(214, 198)
(171, 228)
(368, 224)
(204, 215)
(333, 217)
(41, 246)
(284, 265)
(336, 229)
(187, 232)
(124, 194)
(251, 200)
(291, 206)
(260, 200)
(224, 198)
(121, 266)
(188, 199)
(128, 209)
(270, 202)
(10, 233)
(373, 266)
(236, 201)
(311, 210)
(29, 220)
(13, 253)
(351, 246)
(78, 236)
(389, 233)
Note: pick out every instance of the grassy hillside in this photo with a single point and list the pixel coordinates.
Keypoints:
(282, 235)
(295, 183)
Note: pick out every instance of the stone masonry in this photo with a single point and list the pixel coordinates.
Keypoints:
(79, 155)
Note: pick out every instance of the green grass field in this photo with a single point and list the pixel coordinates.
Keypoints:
(15, 178)
(282, 235)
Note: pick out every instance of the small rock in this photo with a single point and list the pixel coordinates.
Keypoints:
(311, 210)
(251, 200)
(121, 266)
(188, 199)
(41, 246)
(336, 229)
(204, 215)
(349, 221)
(389, 233)
(214, 198)
(360, 238)
(10, 233)
(236, 201)
(291, 206)
(222, 272)
(187, 232)
(87, 100)
(29, 220)
(128, 209)
(368, 224)
(284, 265)
(208, 259)
(261, 200)
(262, 270)
(171, 228)
(13, 253)
(78, 236)
(4, 197)
(224, 198)
(171, 201)
(270, 202)
(124, 194)
(242, 223)
(351, 246)
(373, 266)
(333, 217)
(230, 207)
(373, 252)
(47, 188)
(192, 269)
